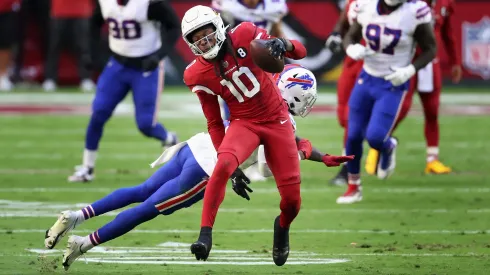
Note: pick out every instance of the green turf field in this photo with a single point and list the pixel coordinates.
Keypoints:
(411, 224)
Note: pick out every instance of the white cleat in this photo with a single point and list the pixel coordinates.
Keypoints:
(171, 140)
(385, 173)
(73, 251)
(352, 195)
(82, 174)
(66, 222)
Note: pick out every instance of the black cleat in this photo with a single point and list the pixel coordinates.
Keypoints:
(280, 248)
(200, 250)
(202, 247)
(341, 177)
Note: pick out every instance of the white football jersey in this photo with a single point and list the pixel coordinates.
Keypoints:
(390, 35)
(264, 15)
(131, 34)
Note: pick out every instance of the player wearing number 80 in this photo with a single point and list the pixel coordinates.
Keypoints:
(141, 33)
(390, 28)
(258, 115)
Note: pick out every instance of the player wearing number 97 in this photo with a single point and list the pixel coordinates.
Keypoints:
(258, 115)
(390, 28)
(141, 33)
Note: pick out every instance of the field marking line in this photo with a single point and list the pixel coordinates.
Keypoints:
(257, 231)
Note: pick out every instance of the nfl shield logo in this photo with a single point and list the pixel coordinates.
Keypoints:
(476, 47)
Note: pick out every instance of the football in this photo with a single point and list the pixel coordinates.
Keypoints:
(263, 59)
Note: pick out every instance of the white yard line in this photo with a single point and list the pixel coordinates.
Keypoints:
(268, 231)
(257, 190)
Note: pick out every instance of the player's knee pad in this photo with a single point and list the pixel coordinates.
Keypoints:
(100, 117)
(227, 163)
(290, 197)
(354, 137)
(431, 111)
(146, 127)
(375, 139)
(287, 180)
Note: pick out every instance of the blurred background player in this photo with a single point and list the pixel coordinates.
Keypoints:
(69, 23)
(382, 85)
(141, 32)
(350, 70)
(179, 183)
(428, 83)
(8, 35)
(258, 115)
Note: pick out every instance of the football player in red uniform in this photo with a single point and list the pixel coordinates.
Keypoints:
(346, 82)
(428, 83)
(258, 115)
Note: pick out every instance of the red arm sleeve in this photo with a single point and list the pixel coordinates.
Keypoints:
(212, 112)
(299, 51)
(448, 36)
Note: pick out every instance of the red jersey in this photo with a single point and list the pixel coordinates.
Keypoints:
(9, 5)
(443, 20)
(249, 92)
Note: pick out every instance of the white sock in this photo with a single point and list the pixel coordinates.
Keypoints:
(432, 153)
(344, 152)
(80, 215)
(89, 158)
(87, 244)
(354, 179)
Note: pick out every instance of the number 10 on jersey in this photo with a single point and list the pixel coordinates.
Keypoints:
(235, 78)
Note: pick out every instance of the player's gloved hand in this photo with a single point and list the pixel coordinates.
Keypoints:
(334, 42)
(240, 184)
(335, 160)
(400, 75)
(305, 147)
(358, 51)
(277, 47)
(150, 63)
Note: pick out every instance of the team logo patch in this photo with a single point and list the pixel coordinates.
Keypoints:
(476, 47)
(305, 81)
(241, 52)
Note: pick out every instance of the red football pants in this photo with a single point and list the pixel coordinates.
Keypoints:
(430, 104)
(241, 139)
(345, 84)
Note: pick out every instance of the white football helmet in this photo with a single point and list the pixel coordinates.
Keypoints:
(200, 16)
(298, 88)
(394, 2)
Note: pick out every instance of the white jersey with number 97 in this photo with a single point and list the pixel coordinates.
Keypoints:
(391, 35)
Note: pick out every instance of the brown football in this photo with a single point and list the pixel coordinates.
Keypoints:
(263, 59)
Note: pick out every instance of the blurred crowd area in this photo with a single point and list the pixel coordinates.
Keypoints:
(56, 26)
(47, 42)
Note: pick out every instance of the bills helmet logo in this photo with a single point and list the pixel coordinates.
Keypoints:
(476, 47)
(305, 81)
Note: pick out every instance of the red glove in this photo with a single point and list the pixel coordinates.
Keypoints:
(336, 160)
(304, 146)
